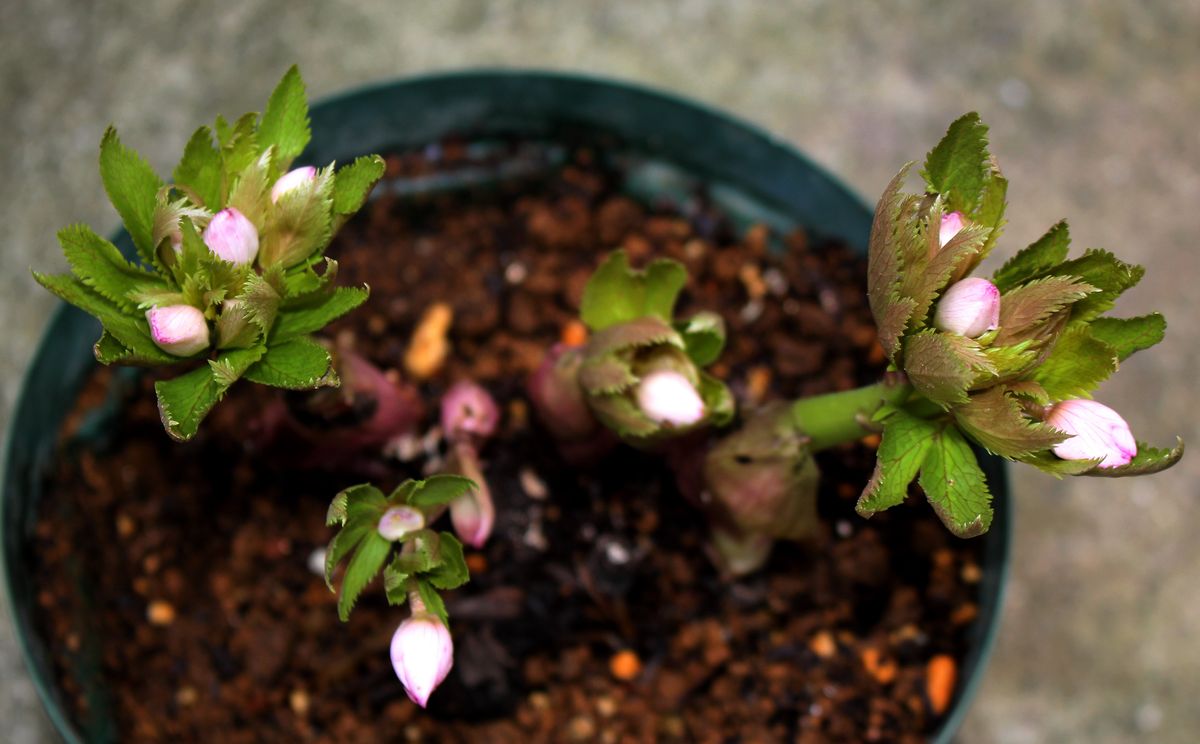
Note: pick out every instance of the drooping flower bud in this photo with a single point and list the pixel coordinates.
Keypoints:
(232, 237)
(399, 521)
(969, 308)
(1097, 432)
(667, 397)
(951, 225)
(422, 655)
(291, 180)
(469, 413)
(178, 329)
(473, 514)
(558, 398)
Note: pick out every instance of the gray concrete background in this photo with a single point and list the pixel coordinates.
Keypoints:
(1094, 110)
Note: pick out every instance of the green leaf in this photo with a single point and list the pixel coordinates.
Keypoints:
(298, 364)
(1128, 335)
(129, 330)
(240, 147)
(1106, 273)
(250, 189)
(433, 600)
(438, 490)
(1048, 462)
(285, 120)
(942, 366)
(1025, 308)
(353, 183)
(300, 224)
(99, 265)
(261, 301)
(200, 169)
(369, 556)
(719, 405)
(234, 328)
(1147, 460)
(703, 336)
(906, 440)
(132, 187)
(995, 421)
(955, 486)
(451, 571)
(959, 165)
(184, 401)
(395, 583)
(886, 263)
(316, 313)
(1009, 361)
(1076, 365)
(1038, 258)
(618, 294)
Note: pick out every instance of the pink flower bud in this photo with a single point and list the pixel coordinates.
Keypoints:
(1097, 432)
(178, 329)
(422, 654)
(468, 413)
(291, 180)
(952, 224)
(969, 308)
(473, 514)
(232, 237)
(400, 521)
(558, 399)
(667, 397)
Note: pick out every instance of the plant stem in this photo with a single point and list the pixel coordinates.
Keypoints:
(836, 418)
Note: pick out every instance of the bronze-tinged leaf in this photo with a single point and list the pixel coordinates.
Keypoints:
(885, 266)
(1024, 309)
(996, 422)
(942, 366)
(1148, 460)
(1036, 259)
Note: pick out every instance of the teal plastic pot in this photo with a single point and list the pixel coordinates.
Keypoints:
(675, 144)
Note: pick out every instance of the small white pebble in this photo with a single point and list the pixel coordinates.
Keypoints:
(844, 528)
(829, 301)
(515, 272)
(535, 538)
(776, 282)
(316, 561)
(616, 553)
(405, 448)
(752, 310)
(533, 486)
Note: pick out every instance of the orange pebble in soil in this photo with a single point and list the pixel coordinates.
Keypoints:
(625, 665)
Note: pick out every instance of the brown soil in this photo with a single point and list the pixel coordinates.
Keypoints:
(593, 613)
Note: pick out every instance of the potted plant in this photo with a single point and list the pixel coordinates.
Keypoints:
(564, 448)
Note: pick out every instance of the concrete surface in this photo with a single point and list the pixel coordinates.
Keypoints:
(1094, 108)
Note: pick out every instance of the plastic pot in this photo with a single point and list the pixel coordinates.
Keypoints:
(674, 143)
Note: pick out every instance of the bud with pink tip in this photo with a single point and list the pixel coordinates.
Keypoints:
(969, 308)
(469, 413)
(422, 654)
(180, 330)
(291, 180)
(399, 521)
(232, 237)
(473, 514)
(1097, 432)
(668, 397)
(952, 224)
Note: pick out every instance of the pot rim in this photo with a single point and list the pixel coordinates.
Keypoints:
(997, 557)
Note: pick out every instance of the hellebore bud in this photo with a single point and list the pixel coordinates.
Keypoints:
(1097, 432)
(557, 396)
(667, 397)
(469, 413)
(291, 180)
(422, 654)
(232, 237)
(969, 308)
(178, 329)
(473, 514)
(951, 225)
(399, 521)
(762, 485)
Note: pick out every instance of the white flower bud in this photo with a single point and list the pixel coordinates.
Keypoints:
(667, 397)
(970, 308)
(291, 180)
(178, 329)
(400, 521)
(1097, 432)
(422, 654)
(952, 224)
(232, 237)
